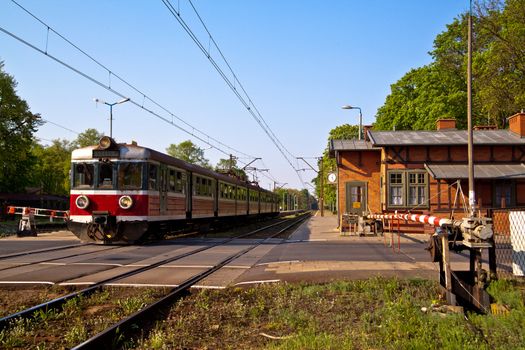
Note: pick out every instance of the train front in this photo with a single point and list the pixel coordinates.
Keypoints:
(108, 203)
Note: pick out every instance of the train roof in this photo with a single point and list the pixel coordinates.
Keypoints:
(135, 152)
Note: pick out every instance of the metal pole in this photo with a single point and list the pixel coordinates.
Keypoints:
(360, 125)
(110, 120)
(321, 199)
(470, 149)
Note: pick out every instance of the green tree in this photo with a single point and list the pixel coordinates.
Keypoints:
(17, 126)
(438, 89)
(341, 132)
(289, 197)
(51, 170)
(229, 166)
(89, 137)
(188, 152)
(500, 66)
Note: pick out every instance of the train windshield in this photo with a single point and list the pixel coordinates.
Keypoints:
(105, 175)
(83, 175)
(130, 176)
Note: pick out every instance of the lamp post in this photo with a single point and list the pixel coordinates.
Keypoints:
(110, 111)
(360, 119)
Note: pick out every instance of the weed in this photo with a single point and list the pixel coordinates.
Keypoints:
(71, 307)
(14, 335)
(157, 340)
(75, 335)
(45, 316)
(131, 305)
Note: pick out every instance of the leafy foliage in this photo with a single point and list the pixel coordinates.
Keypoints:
(50, 172)
(230, 166)
(289, 197)
(188, 152)
(438, 90)
(17, 125)
(89, 137)
(327, 165)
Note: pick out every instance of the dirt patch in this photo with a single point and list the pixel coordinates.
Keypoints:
(18, 298)
(77, 320)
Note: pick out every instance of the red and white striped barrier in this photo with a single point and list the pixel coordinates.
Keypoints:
(425, 219)
(49, 213)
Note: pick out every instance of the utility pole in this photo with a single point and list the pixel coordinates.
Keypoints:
(320, 174)
(470, 150)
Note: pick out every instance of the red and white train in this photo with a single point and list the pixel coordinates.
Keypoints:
(121, 193)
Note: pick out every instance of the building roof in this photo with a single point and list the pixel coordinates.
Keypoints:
(443, 137)
(351, 145)
(481, 171)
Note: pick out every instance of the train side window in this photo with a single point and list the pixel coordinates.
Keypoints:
(130, 176)
(105, 175)
(172, 180)
(153, 177)
(83, 175)
(178, 182)
(221, 190)
(197, 187)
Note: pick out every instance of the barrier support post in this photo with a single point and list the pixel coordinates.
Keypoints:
(451, 297)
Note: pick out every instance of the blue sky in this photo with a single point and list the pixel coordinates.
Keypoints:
(299, 61)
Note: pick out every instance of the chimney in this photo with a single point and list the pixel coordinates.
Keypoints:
(444, 124)
(485, 127)
(517, 124)
(366, 129)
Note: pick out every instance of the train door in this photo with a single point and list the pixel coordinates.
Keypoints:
(163, 189)
(356, 197)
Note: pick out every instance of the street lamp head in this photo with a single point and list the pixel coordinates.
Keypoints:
(123, 100)
(360, 119)
(97, 100)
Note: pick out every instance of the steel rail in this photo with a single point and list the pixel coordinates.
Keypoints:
(56, 303)
(62, 257)
(107, 339)
(43, 250)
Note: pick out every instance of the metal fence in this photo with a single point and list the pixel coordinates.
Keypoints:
(509, 236)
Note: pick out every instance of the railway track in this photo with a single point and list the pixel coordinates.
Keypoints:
(177, 292)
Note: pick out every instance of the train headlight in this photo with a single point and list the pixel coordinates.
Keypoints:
(125, 202)
(82, 202)
(105, 142)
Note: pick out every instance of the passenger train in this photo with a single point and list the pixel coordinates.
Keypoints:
(123, 193)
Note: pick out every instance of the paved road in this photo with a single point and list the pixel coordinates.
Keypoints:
(315, 252)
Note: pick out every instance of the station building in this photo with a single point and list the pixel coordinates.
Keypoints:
(419, 171)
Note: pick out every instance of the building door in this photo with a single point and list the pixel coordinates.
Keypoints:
(356, 197)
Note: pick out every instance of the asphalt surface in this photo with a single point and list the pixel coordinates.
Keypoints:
(315, 252)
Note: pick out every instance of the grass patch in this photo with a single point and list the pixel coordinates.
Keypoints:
(79, 319)
(378, 313)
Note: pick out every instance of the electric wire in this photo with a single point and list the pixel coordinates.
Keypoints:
(235, 77)
(248, 102)
(60, 126)
(205, 138)
(125, 82)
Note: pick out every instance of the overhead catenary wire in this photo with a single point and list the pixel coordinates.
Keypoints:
(60, 126)
(245, 100)
(204, 137)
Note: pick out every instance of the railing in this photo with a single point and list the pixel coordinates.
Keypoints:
(509, 237)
